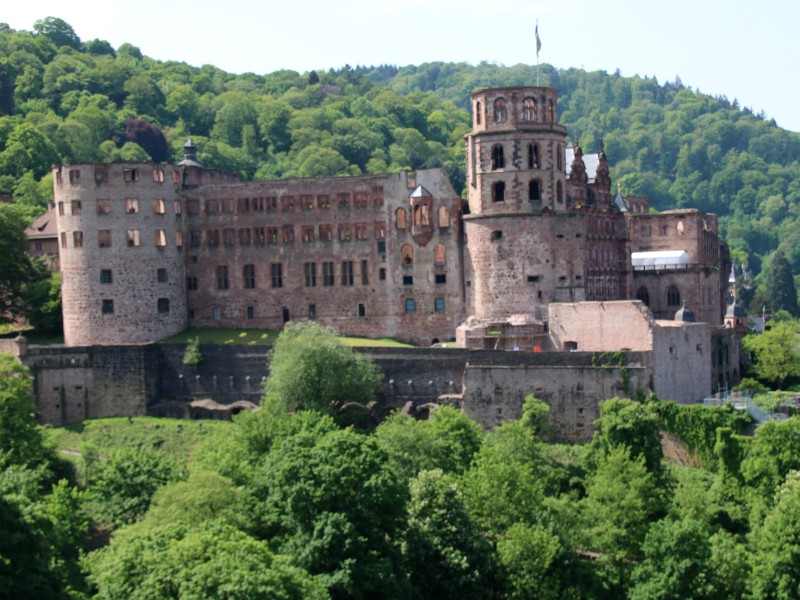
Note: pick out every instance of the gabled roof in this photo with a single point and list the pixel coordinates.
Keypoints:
(44, 226)
(420, 192)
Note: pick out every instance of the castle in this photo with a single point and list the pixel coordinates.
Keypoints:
(149, 249)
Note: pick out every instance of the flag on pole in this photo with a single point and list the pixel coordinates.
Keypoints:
(538, 41)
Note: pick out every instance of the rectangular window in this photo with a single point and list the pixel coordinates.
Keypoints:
(347, 272)
(159, 206)
(103, 206)
(131, 206)
(106, 276)
(287, 203)
(212, 206)
(161, 238)
(307, 202)
(361, 231)
(77, 207)
(382, 274)
(277, 275)
(326, 233)
(243, 205)
(74, 176)
(408, 280)
(323, 201)
(77, 239)
(362, 310)
(251, 313)
(288, 234)
(272, 236)
(272, 203)
(364, 272)
(380, 230)
(63, 239)
(191, 284)
(104, 238)
(438, 305)
(344, 232)
(60, 209)
(244, 236)
(312, 311)
(229, 236)
(249, 275)
(212, 236)
(194, 238)
(411, 306)
(107, 307)
(158, 175)
(381, 247)
(222, 277)
(308, 234)
(343, 199)
(258, 204)
(216, 314)
(259, 235)
(440, 278)
(161, 275)
(228, 205)
(163, 305)
(311, 274)
(327, 274)
(179, 239)
(360, 199)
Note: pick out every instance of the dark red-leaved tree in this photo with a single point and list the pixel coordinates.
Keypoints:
(149, 137)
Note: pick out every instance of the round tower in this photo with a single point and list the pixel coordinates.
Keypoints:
(520, 235)
(120, 230)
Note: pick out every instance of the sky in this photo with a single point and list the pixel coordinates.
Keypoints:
(740, 49)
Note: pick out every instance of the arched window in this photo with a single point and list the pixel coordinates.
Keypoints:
(643, 295)
(499, 191)
(478, 110)
(444, 217)
(533, 156)
(400, 218)
(407, 254)
(559, 158)
(498, 157)
(673, 296)
(559, 192)
(439, 255)
(534, 193)
(529, 109)
(500, 114)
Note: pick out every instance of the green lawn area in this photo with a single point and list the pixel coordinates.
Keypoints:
(176, 437)
(262, 337)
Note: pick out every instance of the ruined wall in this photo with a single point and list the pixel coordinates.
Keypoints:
(681, 359)
(601, 326)
(571, 384)
(73, 384)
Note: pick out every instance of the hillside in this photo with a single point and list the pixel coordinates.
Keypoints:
(64, 100)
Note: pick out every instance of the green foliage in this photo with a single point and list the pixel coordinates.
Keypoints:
(310, 368)
(210, 560)
(16, 267)
(777, 357)
(779, 285)
(445, 554)
(776, 569)
(43, 303)
(192, 355)
(697, 425)
(204, 496)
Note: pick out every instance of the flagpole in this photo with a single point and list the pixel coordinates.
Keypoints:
(538, 47)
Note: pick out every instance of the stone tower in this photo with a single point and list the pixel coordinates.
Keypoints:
(524, 246)
(121, 245)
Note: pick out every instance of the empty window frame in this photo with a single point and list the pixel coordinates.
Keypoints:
(498, 157)
(411, 306)
(131, 206)
(161, 275)
(104, 238)
(106, 276)
(276, 272)
(673, 296)
(162, 305)
(310, 271)
(328, 276)
(223, 283)
(249, 276)
(499, 191)
(103, 206)
(133, 237)
(159, 206)
(438, 305)
(107, 306)
(160, 238)
(364, 272)
(400, 217)
(347, 273)
(439, 255)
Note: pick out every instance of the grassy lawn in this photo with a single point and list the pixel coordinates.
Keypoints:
(176, 437)
(262, 337)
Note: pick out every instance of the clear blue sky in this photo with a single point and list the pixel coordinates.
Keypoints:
(742, 49)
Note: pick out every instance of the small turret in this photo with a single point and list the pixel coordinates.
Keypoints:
(190, 155)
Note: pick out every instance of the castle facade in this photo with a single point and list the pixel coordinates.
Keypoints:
(147, 250)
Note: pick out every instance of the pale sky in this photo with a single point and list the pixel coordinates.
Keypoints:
(742, 49)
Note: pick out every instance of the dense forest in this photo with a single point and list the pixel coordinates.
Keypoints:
(67, 100)
(294, 502)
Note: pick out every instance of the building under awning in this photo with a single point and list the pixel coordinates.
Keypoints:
(659, 259)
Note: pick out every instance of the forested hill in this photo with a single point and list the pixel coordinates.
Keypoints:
(67, 100)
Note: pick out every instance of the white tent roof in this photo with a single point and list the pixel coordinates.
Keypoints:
(660, 259)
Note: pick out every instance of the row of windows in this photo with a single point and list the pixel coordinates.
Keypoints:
(534, 191)
(664, 229)
(499, 160)
(673, 295)
(133, 238)
(289, 203)
(130, 206)
(421, 216)
(128, 175)
(530, 111)
(285, 234)
(107, 276)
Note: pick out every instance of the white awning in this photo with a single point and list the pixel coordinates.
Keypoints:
(660, 259)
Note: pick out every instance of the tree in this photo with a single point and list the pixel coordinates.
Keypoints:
(776, 568)
(57, 31)
(777, 356)
(310, 368)
(21, 439)
(43, 302)
(445, 554)
(779, 286)
(210, 560)
(149, 137)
